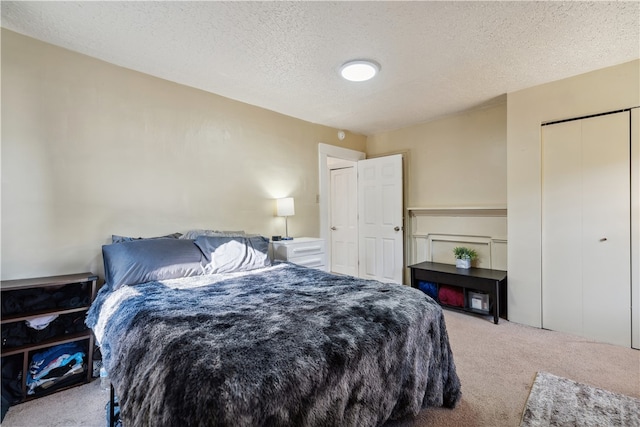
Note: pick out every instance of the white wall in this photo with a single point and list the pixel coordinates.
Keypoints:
(90, 149)
(603, 90)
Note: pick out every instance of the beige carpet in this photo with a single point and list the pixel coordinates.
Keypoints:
(497, 365)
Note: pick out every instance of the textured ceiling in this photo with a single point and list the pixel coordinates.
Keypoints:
(437, 58)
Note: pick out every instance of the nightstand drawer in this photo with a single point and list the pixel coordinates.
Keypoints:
(313, 261)
(294, 249)
(306, 251)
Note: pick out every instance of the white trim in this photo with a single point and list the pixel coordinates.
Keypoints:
(459, 210)
(422, 246)
(635, 228)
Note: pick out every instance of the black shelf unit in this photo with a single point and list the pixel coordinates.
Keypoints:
(480, 280)
(85, 284)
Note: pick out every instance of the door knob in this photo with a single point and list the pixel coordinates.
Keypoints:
(333, 228)
(603, 239)
(396, 228)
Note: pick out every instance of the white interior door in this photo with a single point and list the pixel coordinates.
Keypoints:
(344, 221)
(327, 157)
(586, 232)
(380, 218)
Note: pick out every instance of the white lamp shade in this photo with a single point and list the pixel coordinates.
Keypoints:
(285, 207)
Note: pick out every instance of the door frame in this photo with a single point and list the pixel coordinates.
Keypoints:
(635, 228)
(324, 152)
(634, 141)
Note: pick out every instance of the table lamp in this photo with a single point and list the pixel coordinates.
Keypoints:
(285, 208)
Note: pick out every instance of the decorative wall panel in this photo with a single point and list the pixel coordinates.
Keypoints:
(434, 232)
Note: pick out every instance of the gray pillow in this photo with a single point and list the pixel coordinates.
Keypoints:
(230, 254)
(119, 239)
(146, 260)
(193, 234)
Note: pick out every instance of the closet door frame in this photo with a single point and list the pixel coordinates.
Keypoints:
(586, 227)
(635, 227)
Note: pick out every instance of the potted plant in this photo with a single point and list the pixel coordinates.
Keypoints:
(464, 256)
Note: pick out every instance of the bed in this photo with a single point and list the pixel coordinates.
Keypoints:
(208, 332)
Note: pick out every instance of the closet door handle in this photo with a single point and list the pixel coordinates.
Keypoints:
(603, 239)
(333, 228)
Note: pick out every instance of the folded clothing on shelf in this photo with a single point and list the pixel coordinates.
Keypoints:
(55, 364)
(39, 323)
(20, 333)
(36, 299)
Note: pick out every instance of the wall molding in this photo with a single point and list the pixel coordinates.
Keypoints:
(435, 231)
(459, 211)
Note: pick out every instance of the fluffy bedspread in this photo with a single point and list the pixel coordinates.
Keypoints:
(283, 345)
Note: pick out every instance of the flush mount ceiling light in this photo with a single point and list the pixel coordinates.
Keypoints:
(360, 70)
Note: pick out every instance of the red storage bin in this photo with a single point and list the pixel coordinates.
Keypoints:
(451, 295)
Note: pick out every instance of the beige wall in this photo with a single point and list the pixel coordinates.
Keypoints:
(467, 160)
(90, 149)
(457, 161)
(596, 92)
(455, 185)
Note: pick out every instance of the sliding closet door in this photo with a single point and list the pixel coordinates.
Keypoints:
(607, 228)
(562, 228)
(586, 228)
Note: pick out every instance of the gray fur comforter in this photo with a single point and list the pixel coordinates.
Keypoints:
(279, 346)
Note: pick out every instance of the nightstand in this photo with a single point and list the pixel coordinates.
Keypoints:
(306, 251)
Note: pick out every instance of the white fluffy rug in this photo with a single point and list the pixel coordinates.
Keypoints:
(556, 401)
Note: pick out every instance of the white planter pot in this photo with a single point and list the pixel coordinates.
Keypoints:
(463, 263)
